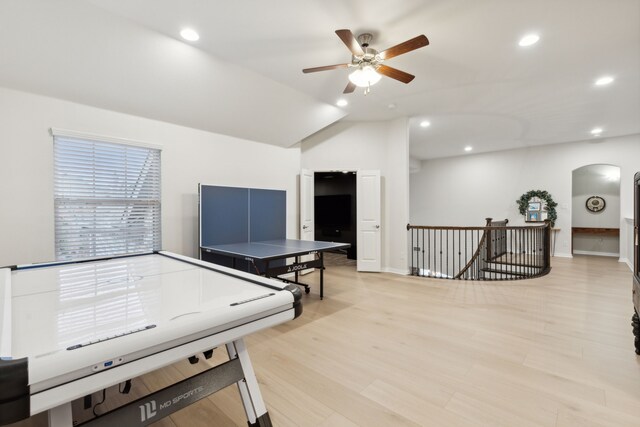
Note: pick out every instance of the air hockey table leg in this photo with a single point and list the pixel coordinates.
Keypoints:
(254, 406)
(60, 416)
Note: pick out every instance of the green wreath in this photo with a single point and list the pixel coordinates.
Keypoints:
(523, 204)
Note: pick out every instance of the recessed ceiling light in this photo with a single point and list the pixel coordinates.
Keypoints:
(605, 80)
(189, 34)
(425, 124)
(529, 40)
(596, 131)
(468, 148)
(392, 106)
(342, 103)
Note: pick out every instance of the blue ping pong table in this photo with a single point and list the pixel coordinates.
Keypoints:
(269, 257)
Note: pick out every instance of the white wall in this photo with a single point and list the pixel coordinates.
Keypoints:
(464, 190)
(189, 157)
(627, 241)
(371, 145)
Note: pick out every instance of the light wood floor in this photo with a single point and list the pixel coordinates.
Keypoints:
(388, 350)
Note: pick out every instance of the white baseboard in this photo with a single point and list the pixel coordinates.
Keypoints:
(626, 261)
(562, 255)
(596, 253)
(400, 271)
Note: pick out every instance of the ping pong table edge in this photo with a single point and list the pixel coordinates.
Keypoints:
(276, 272)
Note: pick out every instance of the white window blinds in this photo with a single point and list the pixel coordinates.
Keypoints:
(107, 198)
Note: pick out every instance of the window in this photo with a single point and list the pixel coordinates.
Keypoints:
(106, 198)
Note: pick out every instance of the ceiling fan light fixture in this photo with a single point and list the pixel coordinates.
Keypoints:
(364, 76)
(189, 35)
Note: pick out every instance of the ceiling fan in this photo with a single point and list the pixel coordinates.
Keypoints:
(368, 62)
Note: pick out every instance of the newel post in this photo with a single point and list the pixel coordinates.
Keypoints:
(547, 244)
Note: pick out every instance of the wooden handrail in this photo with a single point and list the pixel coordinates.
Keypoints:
(492, 227)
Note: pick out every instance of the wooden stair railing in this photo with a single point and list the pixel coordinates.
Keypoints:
(493, 252)
(490, 239)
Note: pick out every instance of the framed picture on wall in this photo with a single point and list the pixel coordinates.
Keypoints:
(533, 216)
(534, 206)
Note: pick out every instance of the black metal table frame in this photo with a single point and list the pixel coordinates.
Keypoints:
(295, 268)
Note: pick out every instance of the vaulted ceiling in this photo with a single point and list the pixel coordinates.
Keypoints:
(474, 84)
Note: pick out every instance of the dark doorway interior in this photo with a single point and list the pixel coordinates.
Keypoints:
(335, 208)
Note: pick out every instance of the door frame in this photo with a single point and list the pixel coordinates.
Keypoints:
(356, 171)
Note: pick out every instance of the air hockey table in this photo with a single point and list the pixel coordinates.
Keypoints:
(70, 329)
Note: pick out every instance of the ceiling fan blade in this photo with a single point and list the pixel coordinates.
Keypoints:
(408, 46)
(325, 68)
(394, 73)
(350, 88)
(347, 38)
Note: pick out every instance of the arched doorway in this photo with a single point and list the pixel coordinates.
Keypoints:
(595, 213)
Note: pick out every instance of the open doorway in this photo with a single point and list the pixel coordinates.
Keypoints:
(595, 213)
(335, 204)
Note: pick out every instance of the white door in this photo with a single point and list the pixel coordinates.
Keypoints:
(307, 228)
(368, 219)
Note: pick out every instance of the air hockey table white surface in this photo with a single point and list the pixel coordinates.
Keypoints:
(83, 326)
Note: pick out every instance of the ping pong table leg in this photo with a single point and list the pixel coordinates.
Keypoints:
(321, 275)
(254, 406)
(60, 416)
